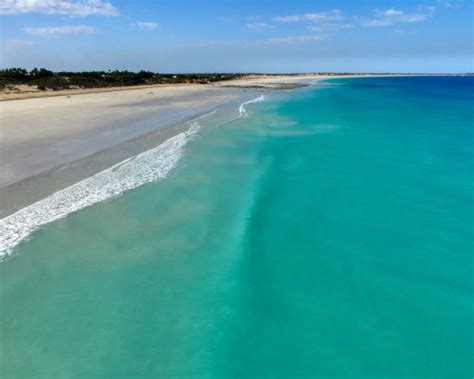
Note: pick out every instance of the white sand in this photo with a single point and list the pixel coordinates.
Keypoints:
(39, 134)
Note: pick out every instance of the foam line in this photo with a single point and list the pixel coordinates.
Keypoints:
(149, 166)
(243, 106)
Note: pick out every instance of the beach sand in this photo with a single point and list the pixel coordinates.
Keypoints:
(50, 142)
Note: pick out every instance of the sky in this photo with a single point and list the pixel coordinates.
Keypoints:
(272, 36)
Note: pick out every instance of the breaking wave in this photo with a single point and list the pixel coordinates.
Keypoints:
(149, 166)
(243, 106)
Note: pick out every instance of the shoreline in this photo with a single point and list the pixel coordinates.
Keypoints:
(40, 134)
(37, 94)
(105, 175)
(34, 188)
(50, 143)
(117, 144)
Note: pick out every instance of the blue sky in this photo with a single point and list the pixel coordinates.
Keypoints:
(239, 35)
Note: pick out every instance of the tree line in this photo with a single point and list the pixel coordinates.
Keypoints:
(48, 80)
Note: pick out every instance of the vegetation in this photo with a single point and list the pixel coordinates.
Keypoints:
(48, 80)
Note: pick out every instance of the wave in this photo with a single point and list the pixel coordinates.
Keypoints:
(149, 166)
(243, 106)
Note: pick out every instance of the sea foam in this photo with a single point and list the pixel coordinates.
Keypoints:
(149, 166)
(243, 106)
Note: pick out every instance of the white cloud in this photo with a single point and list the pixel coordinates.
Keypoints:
(287, 19)
(147, 25)
(333, 15)
(293, 40)
(376, 23)
(321, 23)
(392, 12)
(325, 28)
(60, 30)
(257, 26)
(393, 16)
(77, 8)
(17, 44)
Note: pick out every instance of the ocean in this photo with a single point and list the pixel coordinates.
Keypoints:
(325, 232)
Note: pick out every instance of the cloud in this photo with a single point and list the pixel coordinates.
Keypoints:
(320, 23)
(333, 15)
(77, 8)
(257, 26)
(60, 30)
(147, 25)
(450, 4)
(392, 16)
(392, 12)
(17, 44)
(293, 40)
(287, 19)
(326, 28)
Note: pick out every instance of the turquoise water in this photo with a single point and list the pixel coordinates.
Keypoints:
(327, 235)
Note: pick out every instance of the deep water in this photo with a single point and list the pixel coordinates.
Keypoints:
(329, 234)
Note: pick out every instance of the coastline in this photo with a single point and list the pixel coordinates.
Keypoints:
(50, 143)
(258, 81)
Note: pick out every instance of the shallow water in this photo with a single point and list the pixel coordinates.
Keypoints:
(328, 234)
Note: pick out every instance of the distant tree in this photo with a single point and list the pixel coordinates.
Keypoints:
(46, 79)
(40, 73)
(55, 83)
(14, 75)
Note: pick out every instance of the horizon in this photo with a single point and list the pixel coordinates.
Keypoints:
(268, 37)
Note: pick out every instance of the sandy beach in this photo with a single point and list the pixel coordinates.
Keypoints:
(49, 142)
(220, 190)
